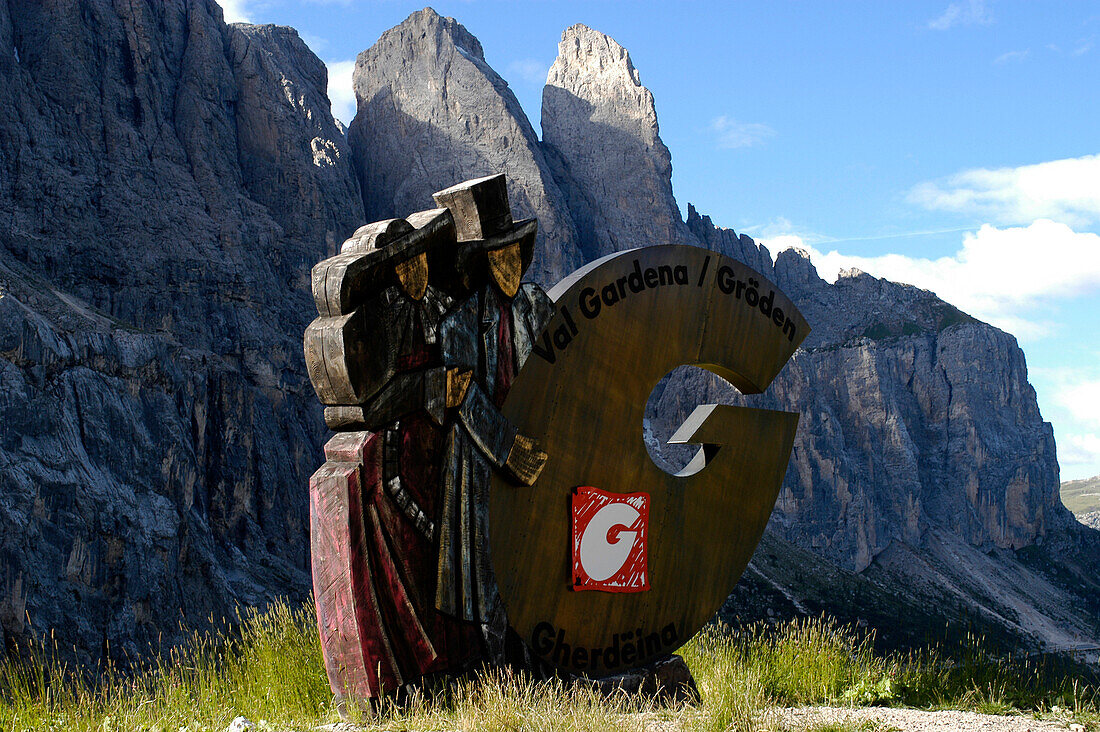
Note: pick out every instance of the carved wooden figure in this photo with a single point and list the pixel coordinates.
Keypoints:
(423, 326)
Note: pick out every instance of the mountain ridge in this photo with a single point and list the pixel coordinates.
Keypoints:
(1081, 496)
(167, 183)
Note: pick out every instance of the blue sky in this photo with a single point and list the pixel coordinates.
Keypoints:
(952, 145)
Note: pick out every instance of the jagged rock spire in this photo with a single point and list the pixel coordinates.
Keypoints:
(431, 112)
(602, 123)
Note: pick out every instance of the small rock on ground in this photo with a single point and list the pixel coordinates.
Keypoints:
(240, 724)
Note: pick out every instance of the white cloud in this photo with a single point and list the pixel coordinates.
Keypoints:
(529, 70)
(340, 90)
(995, 276)
(1079, 449)
(779, 242)
(1077, 397)
(779, 227)
(1065, 190)
(1005, 58)
(967, 12)
(1081, 398)
(235, 11)
(733, 134)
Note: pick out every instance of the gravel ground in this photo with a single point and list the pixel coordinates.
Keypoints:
(871, 719)
(914, 720)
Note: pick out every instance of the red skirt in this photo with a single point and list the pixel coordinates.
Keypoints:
(374, 561)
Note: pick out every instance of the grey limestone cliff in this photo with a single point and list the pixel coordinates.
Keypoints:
(166, 183)
(602, 124)
(897, 432)
(431, 113)
(914, 416)
(740, 247)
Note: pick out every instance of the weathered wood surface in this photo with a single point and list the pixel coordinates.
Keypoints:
(370, 627)
(413, 275)
(458, 381)
(473, 260)
(404, 394)
(368, 538)
(480, 207)
(621, 325)
(416, 344)
(342, 283)
(506, 266)
(336, 546)
(375, 235)
(347, 357)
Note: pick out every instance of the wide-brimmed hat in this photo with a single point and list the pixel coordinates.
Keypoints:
(375, 254)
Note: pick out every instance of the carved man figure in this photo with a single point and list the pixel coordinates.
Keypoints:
(423, 326)
(485, 339)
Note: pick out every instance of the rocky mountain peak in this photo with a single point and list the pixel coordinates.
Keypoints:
(595, 64)
(440, 32)
(740, 247)
(793, 268)
(286, 44)
(169, 181)
(431, 113)
(601, 125)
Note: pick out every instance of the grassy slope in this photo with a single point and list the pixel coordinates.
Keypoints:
(272, 671)
(1082, 496)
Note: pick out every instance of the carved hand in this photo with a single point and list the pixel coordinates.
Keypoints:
(458, 381)
(525, 460)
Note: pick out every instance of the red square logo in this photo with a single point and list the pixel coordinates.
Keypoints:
(610, 539)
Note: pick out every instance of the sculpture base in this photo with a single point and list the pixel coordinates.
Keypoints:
(667, 680)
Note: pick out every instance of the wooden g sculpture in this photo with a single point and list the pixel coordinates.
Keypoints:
(610, 562)
(468, 406)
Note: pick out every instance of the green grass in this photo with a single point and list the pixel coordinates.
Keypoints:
(1082, 496)
(270, 670)
(816, 661)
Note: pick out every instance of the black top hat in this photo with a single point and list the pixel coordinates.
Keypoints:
(483, 222)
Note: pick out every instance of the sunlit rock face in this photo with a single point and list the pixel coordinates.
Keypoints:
(167, 183)
(432, 113)
(913, 416)
(919, 429)
(602, 124)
